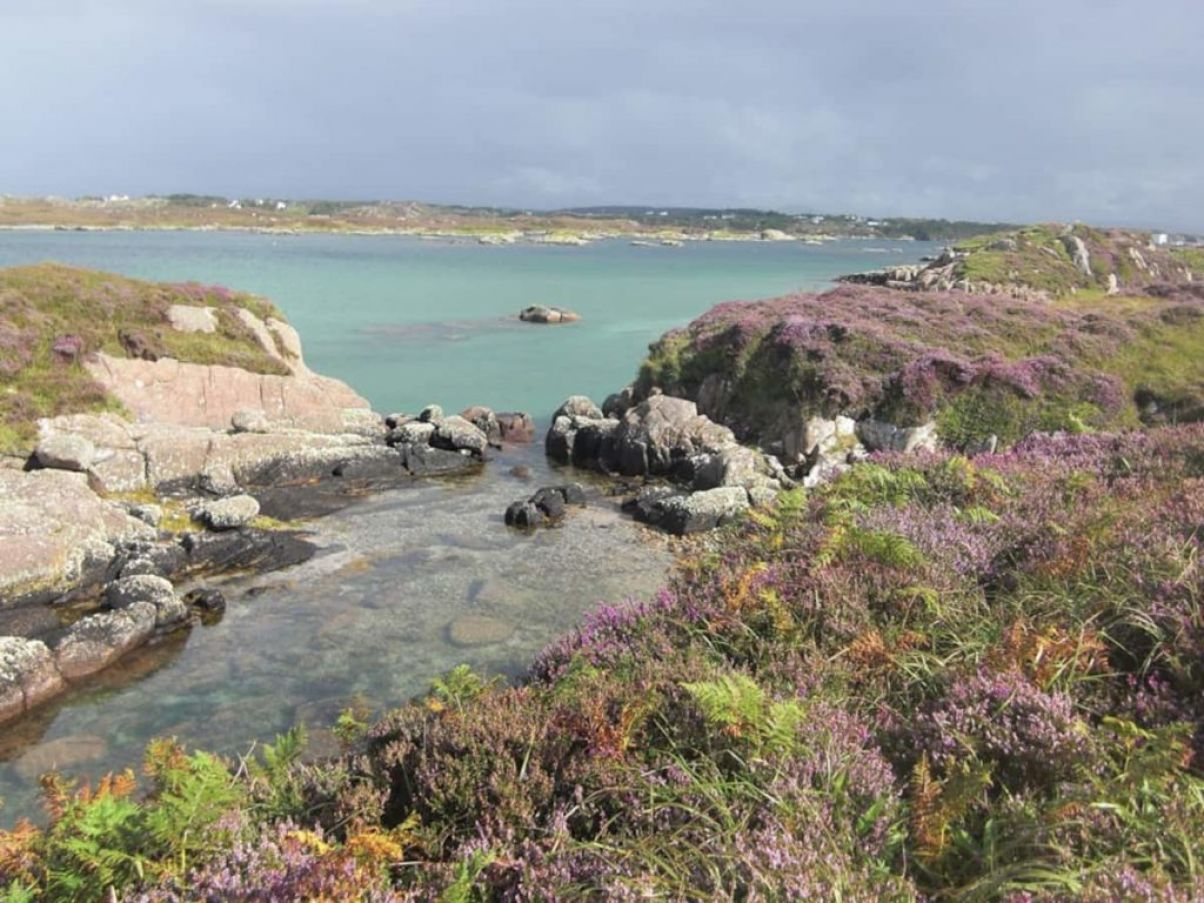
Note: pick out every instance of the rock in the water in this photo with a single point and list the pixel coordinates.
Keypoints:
(456, 433)
(206, 599)
(426, 461)
(100, 639)
(485, 420)
(28, 675)
(578, 406)
(63, 451)
(229, 513)
(537, 313)
(478, 630)
(521, 471)
(415, 432)
(516, 426)
(547, 504)
(550, 501)
(525, 516)
(432, 413)
(157, 591)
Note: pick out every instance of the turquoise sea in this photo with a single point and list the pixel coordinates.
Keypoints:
(405, 578)
(408, 321)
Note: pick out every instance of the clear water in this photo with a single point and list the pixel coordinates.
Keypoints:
(407, 322)
(371, 619)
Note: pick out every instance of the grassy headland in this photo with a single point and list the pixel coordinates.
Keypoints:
(52, 316)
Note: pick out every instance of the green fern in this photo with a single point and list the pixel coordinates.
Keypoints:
(740, 707)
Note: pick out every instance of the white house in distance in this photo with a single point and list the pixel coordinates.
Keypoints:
(1160, 238)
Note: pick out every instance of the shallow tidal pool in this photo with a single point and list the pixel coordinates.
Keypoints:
(408, 584)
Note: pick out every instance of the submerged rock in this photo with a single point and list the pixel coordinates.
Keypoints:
(478, 630)
(547, 504)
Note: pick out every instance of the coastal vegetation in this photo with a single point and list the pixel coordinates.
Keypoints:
(934, 676)
(975, 673)
(52, 317)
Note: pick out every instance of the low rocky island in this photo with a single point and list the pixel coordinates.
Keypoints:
(547, 315)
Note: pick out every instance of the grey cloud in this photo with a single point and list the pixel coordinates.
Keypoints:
(1021, 110)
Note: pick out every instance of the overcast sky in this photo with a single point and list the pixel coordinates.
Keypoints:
(1018, 110)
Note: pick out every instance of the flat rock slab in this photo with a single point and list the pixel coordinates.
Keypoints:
(191, 318)
(62, 753)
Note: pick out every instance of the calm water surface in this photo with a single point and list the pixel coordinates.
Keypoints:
(404, 576)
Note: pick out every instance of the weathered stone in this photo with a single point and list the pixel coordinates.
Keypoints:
(478, 630)
(516, 426)
(96, 641)
(28, 675)
(457, 434)
(249, 420)
(158, 592)
(190, 318)
(538, 313)
(56, 534)
(578, 406)
(415, 432)
(485, 420)
(663, 430)
(206, 599)
(699, 511)
(425, 461)
(148, 514)
(880, 436)
(559, 442)
(619, 403)
(64, 451)
(524, 515)
(1078, 253)
(229, 513)
(432, 413)
(550, 501)
(594, 443)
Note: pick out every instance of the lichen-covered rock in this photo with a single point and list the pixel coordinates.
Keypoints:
(663, 430)
(685, 513)
(28, 675)
(578, 406)
(94, 642)
(228, 513)
(432, 413)
(456, 434)
(155, 590)
(484, 419)
(427, 461)
(250, 420)
(413, 432)
(879, 436)
(63, 451)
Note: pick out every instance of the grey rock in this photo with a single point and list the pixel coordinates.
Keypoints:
(1078, 253)
(619, 403)
(151, 515)
(485, 420)
(432, 413)
(457, 434)
(415, 432)
(98, 640)
(426, 461)
(228, 513)
(249, 420)
(28, 675)
(64, 451)
(880, 436)
(700, 511)
(578, 406)
(156, 591)
(538, 313)
(661, 431)
(190, 318)
(516, 426)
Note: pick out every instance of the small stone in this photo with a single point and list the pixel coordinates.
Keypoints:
(206, 599)
(156, 591)
(432, 413)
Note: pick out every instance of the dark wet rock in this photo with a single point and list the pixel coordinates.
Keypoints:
(96, 641)
(594, 444)
(619, 403)
(550, 502)
(392, 421)
(427, 461)
(516, 426)
(228, 513)
(309, 466)
(525, 516)
(211, 603)
(158, 592)
(28, 675)
(256, 551)
(701, 511)
(478, 630)
(457, 434)
(647, 505)
(150, 515)
(538, 313)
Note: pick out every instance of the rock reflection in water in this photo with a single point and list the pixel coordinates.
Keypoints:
(408, 584)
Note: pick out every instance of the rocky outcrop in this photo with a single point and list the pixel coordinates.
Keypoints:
(28, 676)
(537, 313)
(96, 641)
(683, 513)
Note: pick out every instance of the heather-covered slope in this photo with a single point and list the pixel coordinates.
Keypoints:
(932, 678)
(978, 364)
(54, 318)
